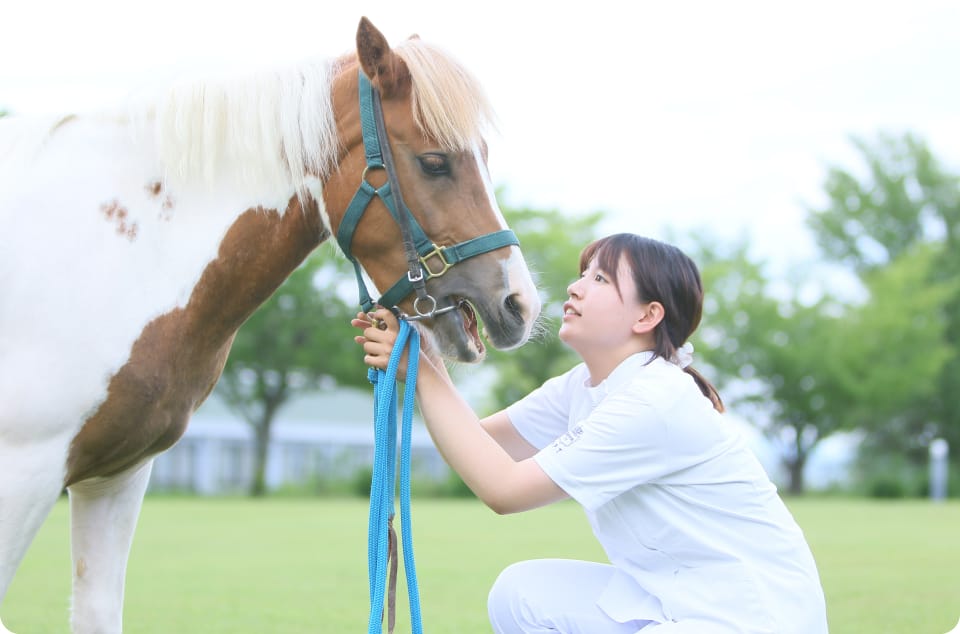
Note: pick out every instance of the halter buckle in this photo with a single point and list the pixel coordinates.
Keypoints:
(439, 252)
(413, 277)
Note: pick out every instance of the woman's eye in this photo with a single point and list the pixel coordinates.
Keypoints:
(434, 164)
(597, 277)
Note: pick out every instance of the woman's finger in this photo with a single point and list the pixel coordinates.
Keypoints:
(375, 358)
(361, 321)
(385, 316)
(384, 327)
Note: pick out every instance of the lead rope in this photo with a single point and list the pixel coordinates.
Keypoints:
(381, 535)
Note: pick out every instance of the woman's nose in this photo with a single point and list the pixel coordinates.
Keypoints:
(573, 289)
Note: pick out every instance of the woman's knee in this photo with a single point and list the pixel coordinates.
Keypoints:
(508, 603)
(506, 590)
(551, 595)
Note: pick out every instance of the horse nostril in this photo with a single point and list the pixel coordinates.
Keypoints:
(513, 307)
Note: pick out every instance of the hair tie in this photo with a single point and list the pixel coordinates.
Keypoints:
(683, 356)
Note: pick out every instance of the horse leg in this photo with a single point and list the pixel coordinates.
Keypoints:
(103, 517)
(31, 480)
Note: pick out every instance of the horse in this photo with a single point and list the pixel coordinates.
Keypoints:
(139, 239)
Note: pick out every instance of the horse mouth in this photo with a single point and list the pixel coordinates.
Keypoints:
(471, 324)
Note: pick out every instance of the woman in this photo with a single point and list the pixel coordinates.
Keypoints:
(697, 537)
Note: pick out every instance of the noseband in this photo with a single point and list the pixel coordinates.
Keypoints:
(418, 248)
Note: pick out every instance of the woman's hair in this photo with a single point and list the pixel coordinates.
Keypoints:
(661, 273)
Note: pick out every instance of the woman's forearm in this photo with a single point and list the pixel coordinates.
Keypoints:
(506, 486)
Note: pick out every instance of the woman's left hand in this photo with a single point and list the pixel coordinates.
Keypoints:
(380, 330)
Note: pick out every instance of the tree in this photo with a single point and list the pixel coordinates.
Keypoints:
(807, 369)
(762, 349)
(892, 351)
(905, 198)
(300, 340)
(905, 206)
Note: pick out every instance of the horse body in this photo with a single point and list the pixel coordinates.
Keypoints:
(131, 356)
(124, 283)
(109, 219)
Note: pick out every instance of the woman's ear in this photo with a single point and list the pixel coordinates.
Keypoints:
(650, 315)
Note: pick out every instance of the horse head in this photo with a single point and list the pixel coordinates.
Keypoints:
(432, 115)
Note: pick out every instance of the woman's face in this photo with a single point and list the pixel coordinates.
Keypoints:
(596, 315)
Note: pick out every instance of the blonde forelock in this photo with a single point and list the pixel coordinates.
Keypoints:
(448, 102)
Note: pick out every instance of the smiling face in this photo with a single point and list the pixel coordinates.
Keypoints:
(433, 113)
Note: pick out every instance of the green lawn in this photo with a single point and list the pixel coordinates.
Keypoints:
(279, 566)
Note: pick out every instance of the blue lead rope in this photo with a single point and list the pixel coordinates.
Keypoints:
(384, 474)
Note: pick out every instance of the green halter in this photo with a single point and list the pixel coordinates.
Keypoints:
(417, 246)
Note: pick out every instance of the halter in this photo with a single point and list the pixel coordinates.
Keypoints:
(418, 248)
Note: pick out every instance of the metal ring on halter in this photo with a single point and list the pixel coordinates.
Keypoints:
(363, 176)
(427, 313)
(422, 315)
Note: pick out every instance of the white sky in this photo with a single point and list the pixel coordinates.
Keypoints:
(700, 115)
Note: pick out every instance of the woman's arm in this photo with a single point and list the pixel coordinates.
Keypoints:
(501, 429)
(498, 425)
(501, 482)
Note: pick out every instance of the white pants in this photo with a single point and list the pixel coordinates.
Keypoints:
(553, 595)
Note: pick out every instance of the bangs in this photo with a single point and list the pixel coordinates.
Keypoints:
(608, 252)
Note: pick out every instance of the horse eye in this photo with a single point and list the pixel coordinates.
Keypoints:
(434, 164)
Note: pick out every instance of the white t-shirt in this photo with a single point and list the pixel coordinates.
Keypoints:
(682, 507)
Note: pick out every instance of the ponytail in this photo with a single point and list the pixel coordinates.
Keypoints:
(707, 388)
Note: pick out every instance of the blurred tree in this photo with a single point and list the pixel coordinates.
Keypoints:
(905, 206)
(808, 369)
(891, 352)
(764, 353)
(904, 198)
(299, 341)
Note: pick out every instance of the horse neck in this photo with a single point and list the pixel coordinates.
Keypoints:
(257, 254)
(268, 227)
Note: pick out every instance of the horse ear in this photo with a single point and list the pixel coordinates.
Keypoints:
(381, 65)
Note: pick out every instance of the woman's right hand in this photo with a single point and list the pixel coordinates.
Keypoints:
(380, 329)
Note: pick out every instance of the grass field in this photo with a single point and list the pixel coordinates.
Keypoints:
(291, 566)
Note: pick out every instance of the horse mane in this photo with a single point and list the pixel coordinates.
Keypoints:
(449, 104)
(274, 128)
(268, 129)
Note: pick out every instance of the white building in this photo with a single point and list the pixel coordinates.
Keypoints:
(323, 436)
